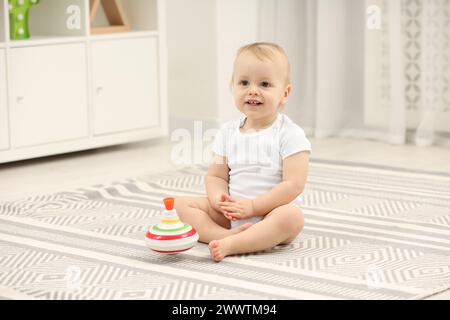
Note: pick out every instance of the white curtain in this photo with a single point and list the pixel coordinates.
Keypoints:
(355, 77)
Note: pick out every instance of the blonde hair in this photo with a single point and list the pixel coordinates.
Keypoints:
(265, 51)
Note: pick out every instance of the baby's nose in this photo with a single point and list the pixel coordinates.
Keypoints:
(253, 91)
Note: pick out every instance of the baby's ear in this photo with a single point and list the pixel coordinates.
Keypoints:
(286, 94)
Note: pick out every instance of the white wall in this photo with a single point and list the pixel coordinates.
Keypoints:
(323, 39)
(237, 25)
(289, 23)
(203, 36)
(192, 70)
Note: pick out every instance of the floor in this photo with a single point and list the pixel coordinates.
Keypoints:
(51, 174)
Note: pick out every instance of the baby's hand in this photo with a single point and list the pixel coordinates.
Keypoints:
(223, 198)
(236, 209)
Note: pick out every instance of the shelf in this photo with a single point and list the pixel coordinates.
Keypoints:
(142, 15)
(59, 18)
(3, 27)
(124, 35)
(67, 89)
(42, 40)
(56, 18)
(60, 21)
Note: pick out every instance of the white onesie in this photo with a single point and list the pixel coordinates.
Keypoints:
(256, 158)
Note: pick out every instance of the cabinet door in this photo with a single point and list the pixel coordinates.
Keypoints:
(125, 77)
(49, 94)
(4, 139)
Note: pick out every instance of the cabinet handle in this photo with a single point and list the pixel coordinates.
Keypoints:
(19, 99)
(99, 89)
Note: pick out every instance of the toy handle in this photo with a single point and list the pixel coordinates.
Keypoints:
(169, 203)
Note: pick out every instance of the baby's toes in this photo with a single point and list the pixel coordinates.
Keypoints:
(214, 249)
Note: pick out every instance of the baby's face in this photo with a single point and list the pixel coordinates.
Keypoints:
(259, 87)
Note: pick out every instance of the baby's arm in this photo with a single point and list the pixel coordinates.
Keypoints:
(217, 181)
(295, 171)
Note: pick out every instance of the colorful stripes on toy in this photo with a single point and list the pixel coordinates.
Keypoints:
(171, 235)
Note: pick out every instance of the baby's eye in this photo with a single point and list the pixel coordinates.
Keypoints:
(265, 84)
(243, 82)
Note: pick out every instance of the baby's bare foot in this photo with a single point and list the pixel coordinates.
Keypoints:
(218, 250)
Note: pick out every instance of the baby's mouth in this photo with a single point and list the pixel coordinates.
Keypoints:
(253, 103)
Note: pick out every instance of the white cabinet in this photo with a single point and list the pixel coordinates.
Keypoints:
(4, 137)
(67, 89)
(125, 80)
(48, 94)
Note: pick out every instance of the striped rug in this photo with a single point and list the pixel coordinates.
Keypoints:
(371, 233)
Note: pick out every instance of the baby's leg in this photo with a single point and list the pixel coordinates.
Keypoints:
(209, 223)
(280, 226)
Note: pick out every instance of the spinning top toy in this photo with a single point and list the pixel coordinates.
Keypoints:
(170, 235)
